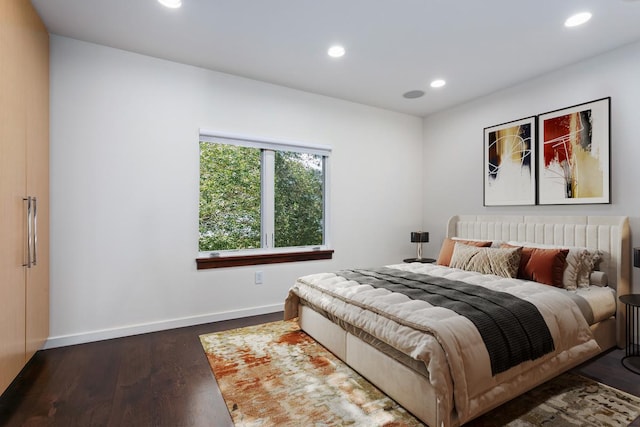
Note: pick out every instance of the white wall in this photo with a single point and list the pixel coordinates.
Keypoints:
(454, 141)
(124, 189)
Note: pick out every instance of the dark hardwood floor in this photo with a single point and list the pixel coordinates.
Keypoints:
(161, 379)
(157, 379)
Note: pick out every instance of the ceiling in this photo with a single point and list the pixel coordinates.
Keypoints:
(392, 46)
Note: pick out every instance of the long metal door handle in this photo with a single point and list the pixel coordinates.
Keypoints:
(35, 231)
(28, 263)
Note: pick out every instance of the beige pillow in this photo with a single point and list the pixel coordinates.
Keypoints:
(590, 263)
(598, 278)
(499, 261)
(446, 251)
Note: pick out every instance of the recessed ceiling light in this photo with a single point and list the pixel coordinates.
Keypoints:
(438, 83)
(412, 94)
(336, 51)
(577, 19)
(173, 4)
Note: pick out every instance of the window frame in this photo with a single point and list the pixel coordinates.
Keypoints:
(268, 254)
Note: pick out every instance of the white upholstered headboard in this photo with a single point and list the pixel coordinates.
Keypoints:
(610, 234)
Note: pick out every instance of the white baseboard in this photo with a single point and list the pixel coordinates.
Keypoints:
(143, 328)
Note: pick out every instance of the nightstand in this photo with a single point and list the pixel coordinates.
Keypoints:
(423, 260)
(631, 360)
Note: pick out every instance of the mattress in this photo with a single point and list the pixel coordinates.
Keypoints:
(596, 303)
(445, 347)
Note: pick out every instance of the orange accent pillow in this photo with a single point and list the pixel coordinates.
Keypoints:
(446, 251)
(542, 265)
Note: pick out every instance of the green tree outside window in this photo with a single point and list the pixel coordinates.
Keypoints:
(231, 206)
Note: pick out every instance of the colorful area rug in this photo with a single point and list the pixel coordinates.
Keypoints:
(567, 400)
(276, 375)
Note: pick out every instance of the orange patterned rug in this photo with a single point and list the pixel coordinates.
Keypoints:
(276, 375)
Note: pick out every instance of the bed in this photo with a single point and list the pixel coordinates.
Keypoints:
(436, 363)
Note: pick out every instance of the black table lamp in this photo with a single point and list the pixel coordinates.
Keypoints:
(419, 237)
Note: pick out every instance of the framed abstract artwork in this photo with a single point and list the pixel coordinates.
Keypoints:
(509, 163)
(574, 163)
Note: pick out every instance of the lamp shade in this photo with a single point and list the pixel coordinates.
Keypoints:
(419, 237)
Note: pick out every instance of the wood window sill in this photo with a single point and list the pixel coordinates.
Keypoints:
(274, 258)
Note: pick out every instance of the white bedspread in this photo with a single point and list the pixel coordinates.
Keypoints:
(449, 344)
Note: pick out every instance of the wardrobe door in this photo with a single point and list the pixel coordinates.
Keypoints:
(13, 209)
(37, 143)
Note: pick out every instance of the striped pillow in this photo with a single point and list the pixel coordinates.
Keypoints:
(498, 261)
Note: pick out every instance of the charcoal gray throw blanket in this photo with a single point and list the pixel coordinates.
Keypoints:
(512, 329)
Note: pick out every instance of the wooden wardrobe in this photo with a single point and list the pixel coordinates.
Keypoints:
(24, 186)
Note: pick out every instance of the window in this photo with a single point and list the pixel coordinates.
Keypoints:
(259, 197)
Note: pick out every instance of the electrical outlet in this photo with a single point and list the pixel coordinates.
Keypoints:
(258, 278)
